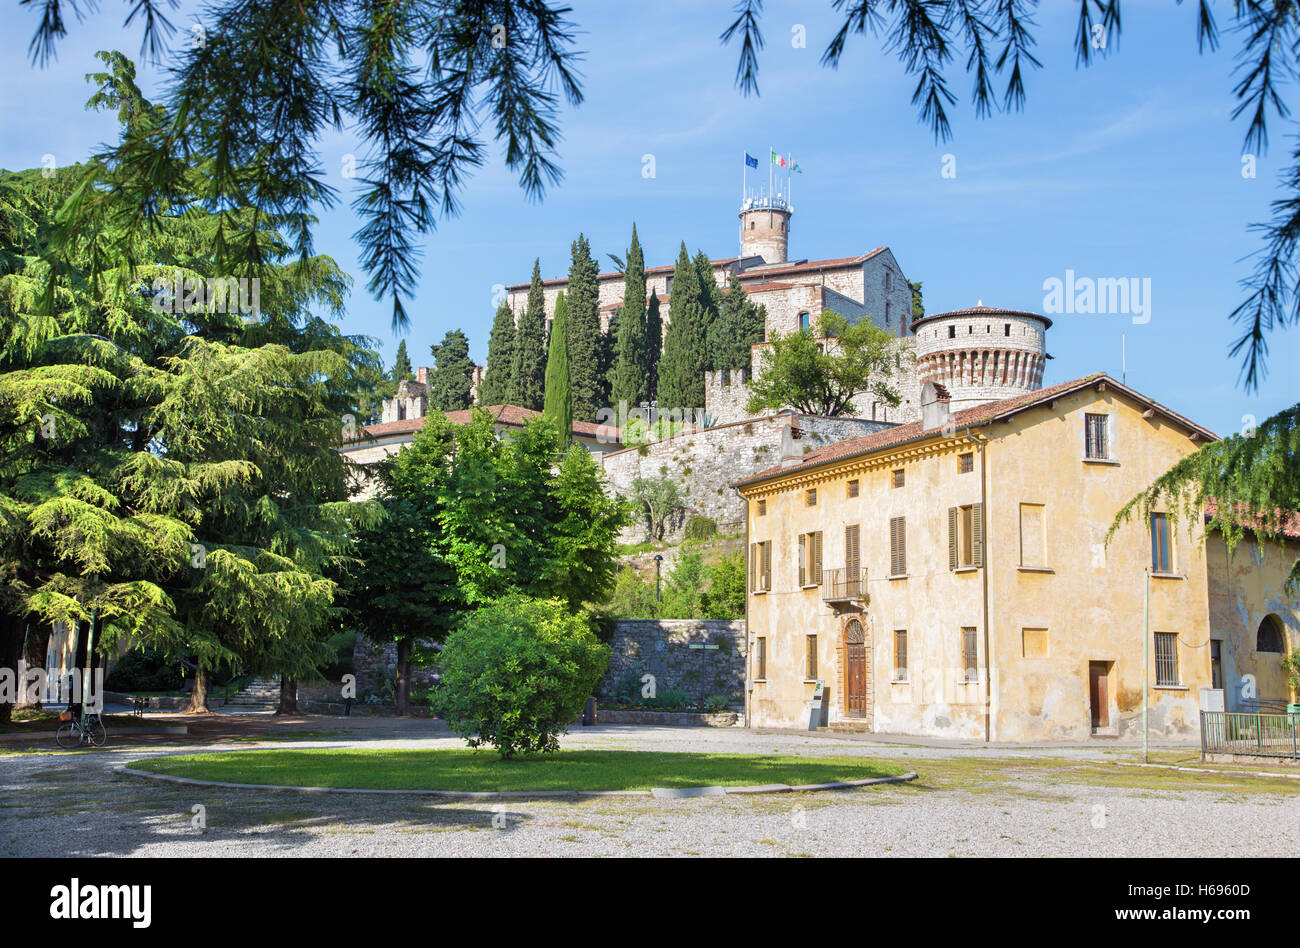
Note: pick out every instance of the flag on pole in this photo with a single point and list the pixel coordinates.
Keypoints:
(777, 159)
(797, 170)
(750, 160)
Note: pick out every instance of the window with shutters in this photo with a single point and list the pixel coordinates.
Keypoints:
(812, 497)
(969, 654)
(853, 488)
(1097, 448)
(898, 478)
(1162, 556)
(900, 655)
(762, 508)
(760, 658)
(1167, 659)
(760, 566)
(810, 559)
(898, 546)
(1033, 537)
(965, 463)
(811, 650)
(852, 557)
(966, 537)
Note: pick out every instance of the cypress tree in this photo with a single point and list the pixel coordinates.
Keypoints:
(401, 364)
(654, 342)
(530, 346)
(559, 385)
(739, 325)
(453, 374)
(498, 386)
(710, 303)
(630, 380)
(583, 317)
(681, 371)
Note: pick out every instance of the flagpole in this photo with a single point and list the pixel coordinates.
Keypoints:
(789, 189)
(770, 152)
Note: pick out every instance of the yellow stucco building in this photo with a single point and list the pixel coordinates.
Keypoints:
(951, 577)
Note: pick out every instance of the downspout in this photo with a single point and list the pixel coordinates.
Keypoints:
(749, 651)
(984, 575)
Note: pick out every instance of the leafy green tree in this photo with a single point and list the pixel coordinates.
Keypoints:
(740, 325)
(452, 378)
(710, 302)
(685, 359)
(918, 301)
(498, 387)
(558, 409)
(659, 497)
(515, 674)
(582, 318)
(530, 346)
(630, 381)
(820, 370)
(401, 364)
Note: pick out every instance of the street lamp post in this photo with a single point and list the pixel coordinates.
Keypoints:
(658, 560)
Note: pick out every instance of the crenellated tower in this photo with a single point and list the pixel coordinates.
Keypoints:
(765, 228)
(981, 354)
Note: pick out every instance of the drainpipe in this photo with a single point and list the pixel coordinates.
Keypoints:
(749, 571)
(984, 576)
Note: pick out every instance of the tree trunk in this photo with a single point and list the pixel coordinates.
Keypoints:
(12, 629)
(199, 696)
(288, 695)
(403, 697)
(38, 641)
(77, 686)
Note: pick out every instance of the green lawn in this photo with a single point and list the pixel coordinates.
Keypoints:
(482, 770)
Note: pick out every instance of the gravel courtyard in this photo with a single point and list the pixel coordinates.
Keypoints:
(968, 800)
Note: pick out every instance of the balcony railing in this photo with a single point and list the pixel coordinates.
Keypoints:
(1254, 735)
(844, 585)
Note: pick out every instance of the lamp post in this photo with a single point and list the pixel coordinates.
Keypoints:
(658, 561)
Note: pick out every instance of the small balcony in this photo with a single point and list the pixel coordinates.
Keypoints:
(844, 585)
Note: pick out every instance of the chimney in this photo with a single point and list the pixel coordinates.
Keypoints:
(422, 375)
(934, 406)
(791, 441)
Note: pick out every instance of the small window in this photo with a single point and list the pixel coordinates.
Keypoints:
(1097, 448)
(1162, 557)
(751, 225)
(853, 488)
(952, 332)
(762, 508)
(811, 674)
(812, 497)
(1006, 329)
(887, 309)
(760, 658)
(1216, 663)
(1166, 659)
(810, 559)
(900, 655)
(899, 479)
(965, 463)
(969, 654)
(897, 546)
(804, 321)
(1269, 636)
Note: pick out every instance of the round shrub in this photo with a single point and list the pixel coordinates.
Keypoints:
(516, 673)
(699, 528)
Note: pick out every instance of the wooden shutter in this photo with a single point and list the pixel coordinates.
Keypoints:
(767, 564)
(803, 552)
(897, 546)
(816, 577)
(952, 538)
(752, 557)
(977, 535)
(851, 560)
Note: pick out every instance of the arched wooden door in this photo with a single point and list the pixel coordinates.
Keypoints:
(856, 682)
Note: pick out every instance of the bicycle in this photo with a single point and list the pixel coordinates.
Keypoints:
(89, 730)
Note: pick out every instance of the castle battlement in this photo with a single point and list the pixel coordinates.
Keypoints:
(726, 394)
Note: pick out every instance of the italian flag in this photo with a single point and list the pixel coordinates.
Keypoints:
(778, 160)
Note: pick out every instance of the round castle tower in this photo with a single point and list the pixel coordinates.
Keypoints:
(765, 228)
(981, 354)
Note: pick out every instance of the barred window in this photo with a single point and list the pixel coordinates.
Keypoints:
(1095, 426)
(762, 508)
(1166, 658)
(969, 654)
(899, 479)
(965, 463)
(853, 488)
(812, 497)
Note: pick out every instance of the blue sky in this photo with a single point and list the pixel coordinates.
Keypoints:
(1130, 168)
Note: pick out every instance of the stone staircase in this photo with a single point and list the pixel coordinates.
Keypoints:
(263, 694)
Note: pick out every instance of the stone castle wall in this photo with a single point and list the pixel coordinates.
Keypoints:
(702, 657)
(706, 462)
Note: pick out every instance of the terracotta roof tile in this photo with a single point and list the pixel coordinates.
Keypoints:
(968, 417)
(982, 311)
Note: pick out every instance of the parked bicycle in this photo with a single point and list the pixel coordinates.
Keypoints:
(74, 732)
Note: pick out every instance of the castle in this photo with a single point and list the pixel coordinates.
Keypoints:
(980, 354)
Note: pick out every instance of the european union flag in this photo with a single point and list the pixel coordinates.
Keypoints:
(751, 160)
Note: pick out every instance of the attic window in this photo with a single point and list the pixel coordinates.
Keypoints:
(812, 497)
(898, 478)
(853, 488)
(762, 508)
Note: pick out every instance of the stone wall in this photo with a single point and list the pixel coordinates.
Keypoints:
(375, 664)
(725, 396)
(701, 657)
(706, 462)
